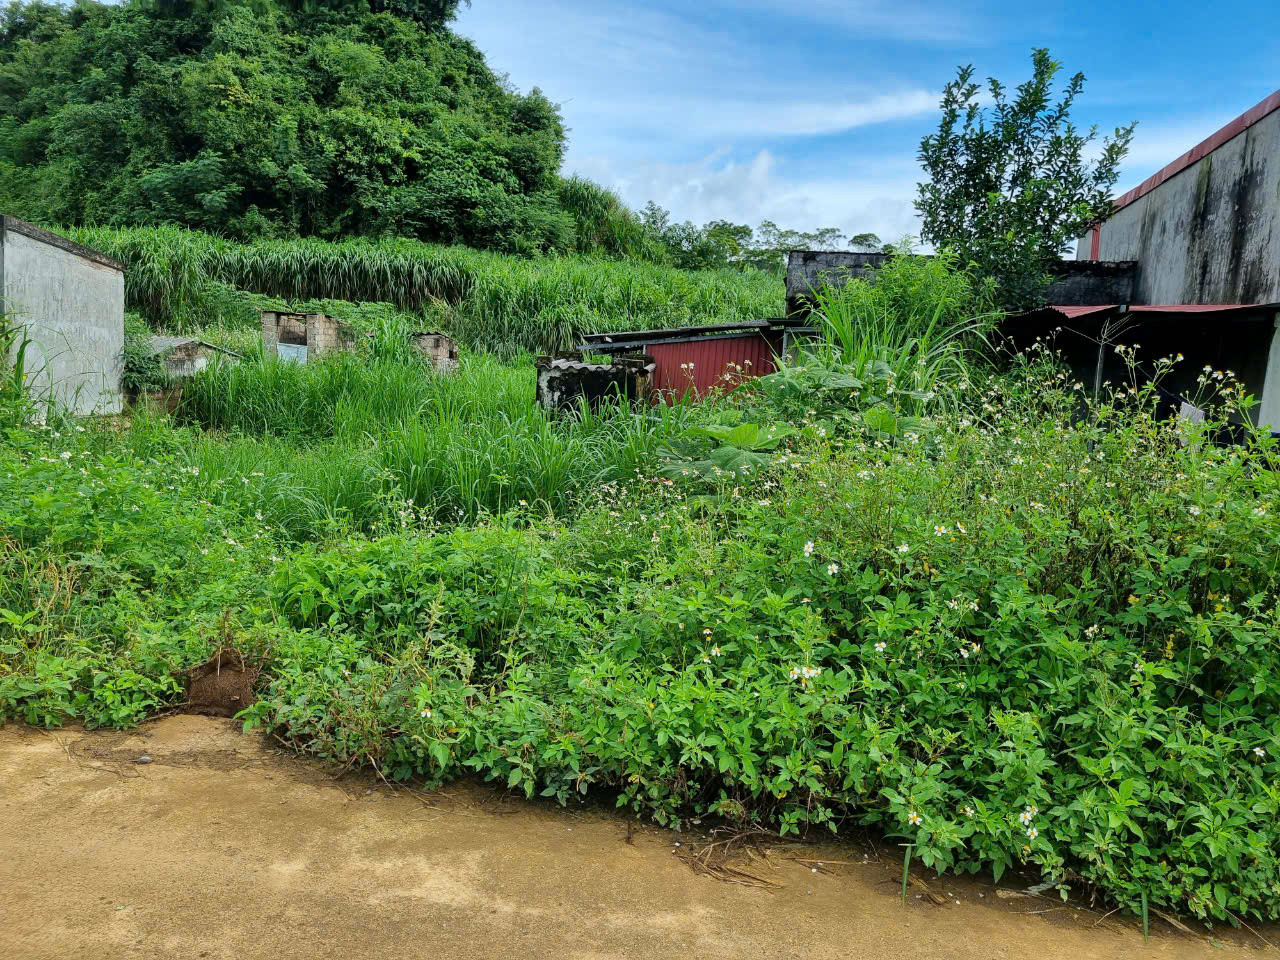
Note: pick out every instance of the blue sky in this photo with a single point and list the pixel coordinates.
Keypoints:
(810, 113)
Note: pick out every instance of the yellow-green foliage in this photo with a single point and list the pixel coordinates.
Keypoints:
(488, 301)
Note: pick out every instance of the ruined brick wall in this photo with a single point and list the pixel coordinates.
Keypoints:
(440, 351)
(318, 332)
(325, 334)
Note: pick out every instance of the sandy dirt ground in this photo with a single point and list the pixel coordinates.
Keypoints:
(224, 847)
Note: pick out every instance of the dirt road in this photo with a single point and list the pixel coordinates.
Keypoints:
(223, 847)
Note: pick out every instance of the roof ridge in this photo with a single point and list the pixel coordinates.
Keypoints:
(1229, 132)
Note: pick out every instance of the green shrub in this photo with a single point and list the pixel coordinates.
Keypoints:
(1037, 632)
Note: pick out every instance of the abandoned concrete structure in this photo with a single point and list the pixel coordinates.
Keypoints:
(69, 302)
(184, 356)
(1206, 228)
(301, 336)
(181, 357)
(1078, 283)
(437, 349)
(564, 381)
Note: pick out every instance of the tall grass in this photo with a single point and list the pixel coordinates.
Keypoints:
(921, 323)
(349, 437)
(488, 301)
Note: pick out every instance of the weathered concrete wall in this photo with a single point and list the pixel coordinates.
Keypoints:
(70, 302)
(808, 270)
(1078, 284)
(1209, 234)
(1092, 283)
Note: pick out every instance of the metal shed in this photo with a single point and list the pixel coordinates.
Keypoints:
(1243, 338)
(707, 357)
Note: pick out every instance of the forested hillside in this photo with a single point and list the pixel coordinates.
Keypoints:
(258, 120)
(262, 119)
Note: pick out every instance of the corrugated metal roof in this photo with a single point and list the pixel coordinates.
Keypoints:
(1054, 311)
(1201, 150)
(163, 344)
(740, 326)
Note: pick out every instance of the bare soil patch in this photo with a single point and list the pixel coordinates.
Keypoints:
(221, 846)
(222, 686)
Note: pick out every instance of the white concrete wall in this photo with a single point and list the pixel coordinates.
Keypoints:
(71, 305)
(1211, 233)
(1269, 410)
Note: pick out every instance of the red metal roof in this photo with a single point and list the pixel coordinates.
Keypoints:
(1072, 313)
(1201, 150)
(1200, 307)
(1082, 311)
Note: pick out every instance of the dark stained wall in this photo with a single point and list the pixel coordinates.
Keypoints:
(1211, 232)
(1076, 284)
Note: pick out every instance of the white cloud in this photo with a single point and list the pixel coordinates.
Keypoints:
(716, 120)
(877, 199)
(706, 119)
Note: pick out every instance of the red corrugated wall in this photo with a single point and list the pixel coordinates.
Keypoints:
(712, 358)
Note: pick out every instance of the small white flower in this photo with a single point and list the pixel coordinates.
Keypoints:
(903, 548)
(1194, 511)
(66, 455)
(1259, 511)
(808, 548)
(715, 651)
(1259, 752)
(964, 652)
(1032, 832)
(1091, 631)
(880, 646)
(426, 713)
(939, 531)
(914, 819)
(833, 569)
(706, 632)
(967, 811)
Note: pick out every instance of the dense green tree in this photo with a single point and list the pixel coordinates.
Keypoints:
(1009, 186)
(721, 243)
(257, 119)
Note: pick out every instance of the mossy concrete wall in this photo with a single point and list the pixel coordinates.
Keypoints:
(1211, 232)
(69, 302)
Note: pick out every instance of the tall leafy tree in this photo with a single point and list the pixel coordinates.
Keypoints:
(1010, 186)
(261, 118)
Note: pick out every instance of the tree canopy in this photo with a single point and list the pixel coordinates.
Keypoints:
(1010, 186)
(323, 118)
(297, 118)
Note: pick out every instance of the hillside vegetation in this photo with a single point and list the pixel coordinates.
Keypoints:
(884, 587)
(180, 279)
(262, 120)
